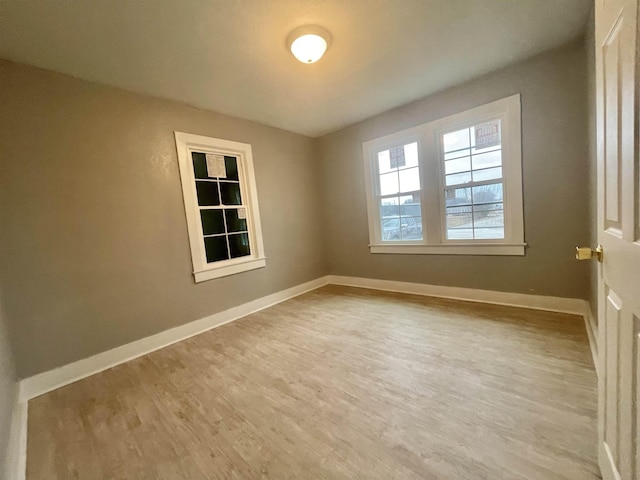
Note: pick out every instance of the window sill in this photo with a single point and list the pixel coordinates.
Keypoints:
(217, 272)
(453, 249)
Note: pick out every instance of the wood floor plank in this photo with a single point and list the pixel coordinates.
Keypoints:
(339, 383)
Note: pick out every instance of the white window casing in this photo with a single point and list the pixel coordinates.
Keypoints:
(252, 255)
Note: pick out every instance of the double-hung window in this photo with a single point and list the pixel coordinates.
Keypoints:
(221, 206)
(451, 186)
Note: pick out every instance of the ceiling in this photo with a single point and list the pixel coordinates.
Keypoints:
(230, 55)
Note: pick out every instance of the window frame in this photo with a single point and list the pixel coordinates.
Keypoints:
(186, 144)
(432, 183)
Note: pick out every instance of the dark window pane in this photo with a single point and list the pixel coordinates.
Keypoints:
(207, 193)
(199, 165)
(212, 222)
(216, 248)
(235, 224)
(239, 245)
(230, 193)
(231, 163)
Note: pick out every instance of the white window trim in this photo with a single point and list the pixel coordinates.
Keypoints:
(432, 184)
(185, 144)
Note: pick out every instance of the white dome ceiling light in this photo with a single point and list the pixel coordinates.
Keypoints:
(308, 43)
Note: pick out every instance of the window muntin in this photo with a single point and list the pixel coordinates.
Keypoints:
(468, 199)
(221, 206)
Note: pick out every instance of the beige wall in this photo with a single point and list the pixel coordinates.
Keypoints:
(92, 224)
(555, 169)
(8, 391)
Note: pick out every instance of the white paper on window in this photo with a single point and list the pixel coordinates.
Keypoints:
(487, 134)
(216, 166)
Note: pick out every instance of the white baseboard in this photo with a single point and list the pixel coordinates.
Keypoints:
(591, 325)
(538, 302)
(16, 462)
(47, 381)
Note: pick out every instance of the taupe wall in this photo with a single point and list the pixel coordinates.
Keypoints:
(92, 224)
(554, 142)
(8, 390)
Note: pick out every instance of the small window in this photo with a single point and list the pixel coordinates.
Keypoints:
(221, 206)
(452, 186)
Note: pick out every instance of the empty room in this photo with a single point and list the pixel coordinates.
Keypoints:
(319, 239)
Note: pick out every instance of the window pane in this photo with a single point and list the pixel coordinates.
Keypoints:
(487, 193)
(486, 160)
(489, 233)
(459, 217)
(459, 165)
(410, 205)
(230, 193)
(488, 220)
(457, 154)
(391, 228)
(411, 228)
(389, 183)
(216, 248)
(389, 207)
(235, 224)
(487, 174)
(231, 165)
(458, 178)
(239, 245)
(212, 222)
(409, 179)
(207, 193)
(411, 154)
(199, 165)
(458, 196)
(456, 140)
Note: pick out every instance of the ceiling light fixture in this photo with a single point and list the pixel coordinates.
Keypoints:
(308, 43)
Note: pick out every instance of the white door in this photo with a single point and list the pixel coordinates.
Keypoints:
(619, 235)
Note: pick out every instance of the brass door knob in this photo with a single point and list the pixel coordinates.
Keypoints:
(587, 253)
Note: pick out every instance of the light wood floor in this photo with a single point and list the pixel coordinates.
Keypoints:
(339, 383)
